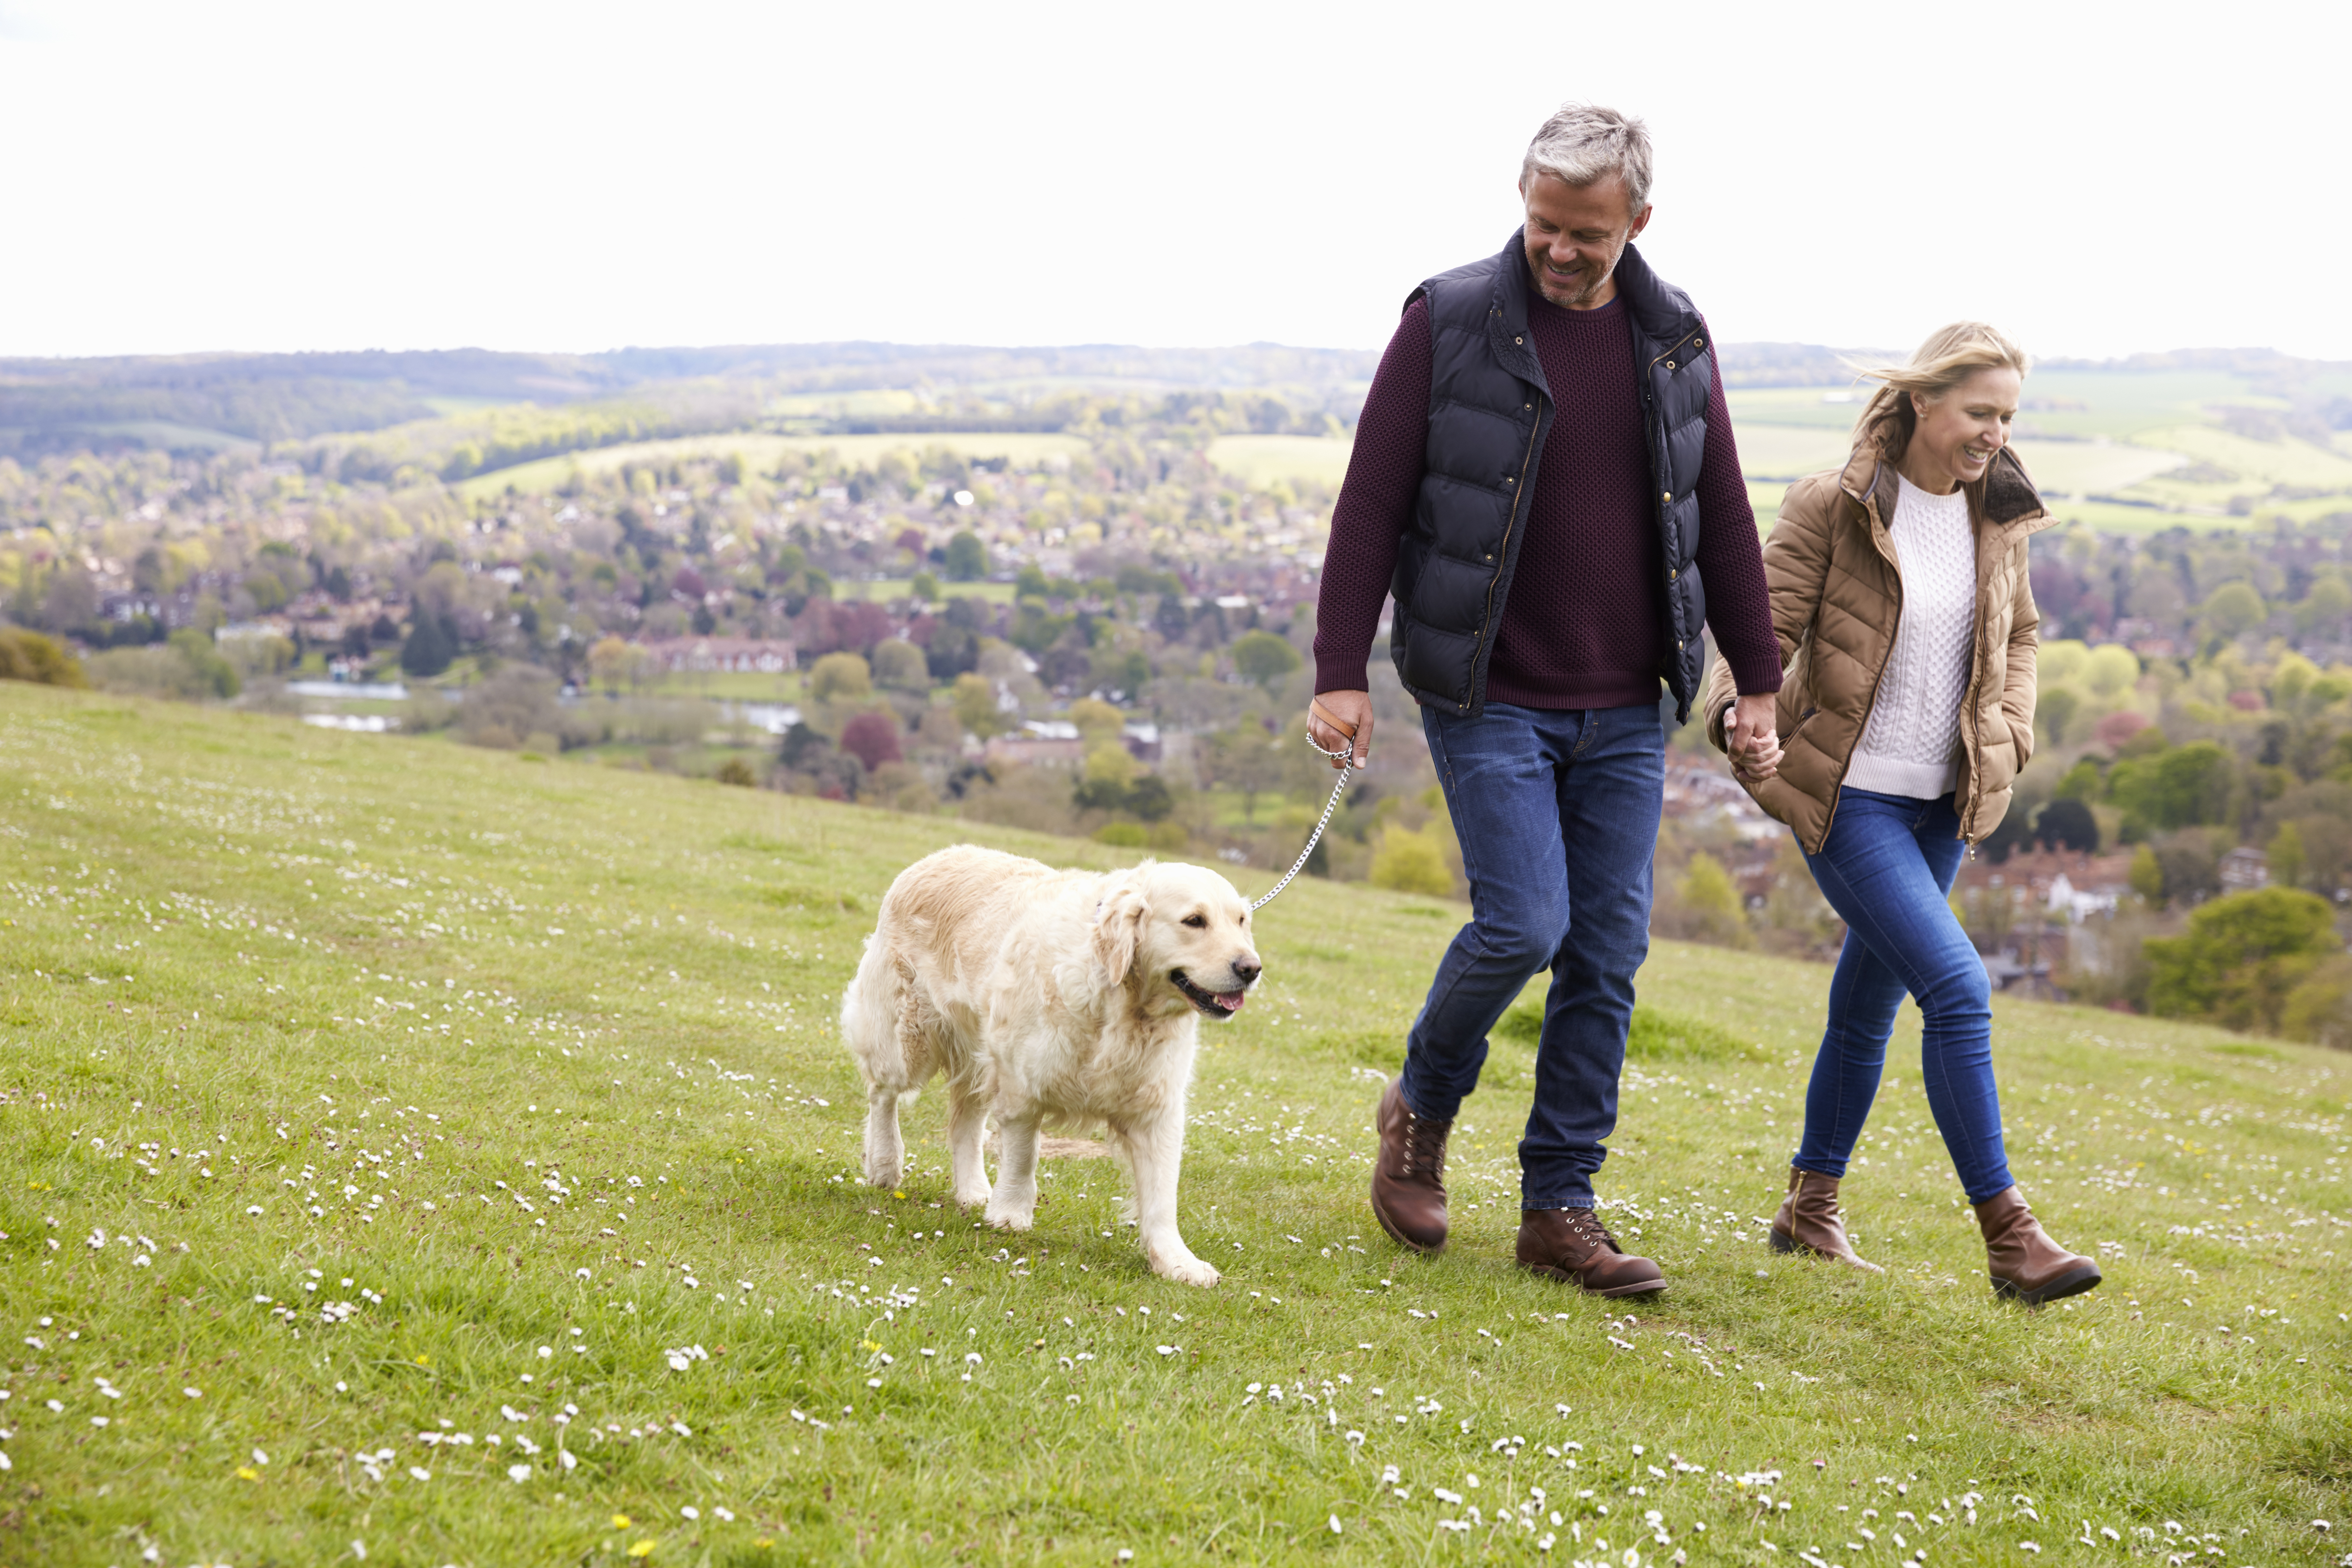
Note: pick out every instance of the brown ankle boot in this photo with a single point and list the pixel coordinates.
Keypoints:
(2024, 1263)
(1408, 1175)
(1810, 1221)
(1574, 1245)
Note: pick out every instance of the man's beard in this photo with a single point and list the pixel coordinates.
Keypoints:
(1589, 287)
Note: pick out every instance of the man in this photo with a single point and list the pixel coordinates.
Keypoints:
(1544, 477)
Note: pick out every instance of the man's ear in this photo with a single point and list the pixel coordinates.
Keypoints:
(1641, 222)
(1119, 928)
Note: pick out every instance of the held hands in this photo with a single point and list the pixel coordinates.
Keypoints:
(1749, 738)
(1342, 721)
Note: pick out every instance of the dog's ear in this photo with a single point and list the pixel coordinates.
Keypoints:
(1119, 928)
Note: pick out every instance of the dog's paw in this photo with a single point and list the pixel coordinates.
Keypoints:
(976, 1198)
(1009, 1218)
(1186, 1270)
(883, 1175)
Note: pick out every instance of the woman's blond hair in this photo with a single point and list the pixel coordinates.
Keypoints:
(1949, 356)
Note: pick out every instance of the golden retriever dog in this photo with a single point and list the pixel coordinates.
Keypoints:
(1045, 996)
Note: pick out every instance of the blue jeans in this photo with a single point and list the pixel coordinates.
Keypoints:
(1557, 814)
(1887, 869)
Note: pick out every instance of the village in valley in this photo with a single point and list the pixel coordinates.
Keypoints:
(1088, 606)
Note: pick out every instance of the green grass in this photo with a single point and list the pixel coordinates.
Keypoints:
(1785, 452)
(1261, 460)
(892, 588)
(1797, 405)
(537, 1056)
(2094, 467)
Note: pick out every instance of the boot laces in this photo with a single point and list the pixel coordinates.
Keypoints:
(1413, 1144)
(1585, 1225)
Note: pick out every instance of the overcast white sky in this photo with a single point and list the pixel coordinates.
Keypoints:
(2098, 179)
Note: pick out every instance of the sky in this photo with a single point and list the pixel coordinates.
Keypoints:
(2097, 180)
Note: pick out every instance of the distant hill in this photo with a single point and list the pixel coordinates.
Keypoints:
(199, 403)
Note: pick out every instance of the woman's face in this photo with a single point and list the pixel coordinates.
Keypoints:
(1959, 432)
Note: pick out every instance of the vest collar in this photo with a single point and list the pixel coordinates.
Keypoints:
(1507, 318)
(1662, 314)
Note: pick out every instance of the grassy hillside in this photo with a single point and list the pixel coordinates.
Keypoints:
(424, 1152)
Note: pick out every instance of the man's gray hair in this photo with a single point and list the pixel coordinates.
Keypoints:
(1583, 143)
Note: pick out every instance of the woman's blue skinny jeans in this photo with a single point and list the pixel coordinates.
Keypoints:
(1887, 869)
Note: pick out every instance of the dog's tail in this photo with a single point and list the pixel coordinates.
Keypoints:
(876, 1012)
(869, 1018)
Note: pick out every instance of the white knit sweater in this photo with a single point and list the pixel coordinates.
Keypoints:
(1912, 744)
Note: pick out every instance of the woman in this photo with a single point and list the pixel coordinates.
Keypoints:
(1907, 634)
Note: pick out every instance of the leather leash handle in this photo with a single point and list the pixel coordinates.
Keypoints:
(1331, 719)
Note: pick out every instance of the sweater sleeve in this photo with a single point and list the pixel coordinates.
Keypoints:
(1730, 562)
(1375, 503)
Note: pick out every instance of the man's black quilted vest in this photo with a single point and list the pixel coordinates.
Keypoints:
(1489, 411)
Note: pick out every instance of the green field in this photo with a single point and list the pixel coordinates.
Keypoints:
(762, 451)
(426, 1152)
(892, 588)
(1265, 459)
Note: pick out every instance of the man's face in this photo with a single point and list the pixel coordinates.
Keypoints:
(1575, 235)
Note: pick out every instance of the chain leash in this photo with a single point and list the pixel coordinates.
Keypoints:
(1347, 769)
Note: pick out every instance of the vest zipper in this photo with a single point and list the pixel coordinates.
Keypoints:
(1676, 349)
(1658, 470)
(1520, 490)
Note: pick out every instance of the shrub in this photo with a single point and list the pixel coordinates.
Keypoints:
(44, 661)
(2241, 958)
(1263, 658)
(737, 772)
(430, 648)
(186, 670)
(2320, 1008)
(872, 739)
(967, 558)
(1711, 909)
(899, 666)
(839, 675)
(2181, 787)
(1409, 862)
(2068, 823)
(507, 710)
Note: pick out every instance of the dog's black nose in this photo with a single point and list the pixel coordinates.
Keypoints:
(1246, 971)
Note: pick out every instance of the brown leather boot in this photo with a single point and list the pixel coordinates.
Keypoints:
(1574, 1245)
(2024, 1263)
(1408, 1175)
(1809, 1221)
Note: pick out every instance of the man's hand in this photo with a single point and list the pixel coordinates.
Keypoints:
(1749, 738)
(1351, 709)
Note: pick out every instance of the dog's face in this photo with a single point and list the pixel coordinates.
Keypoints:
(1182, 935)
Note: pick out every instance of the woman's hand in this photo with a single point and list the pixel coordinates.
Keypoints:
(1749, 737)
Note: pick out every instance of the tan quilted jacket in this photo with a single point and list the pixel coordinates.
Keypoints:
(1837, 593)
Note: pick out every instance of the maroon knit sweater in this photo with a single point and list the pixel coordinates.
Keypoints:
(1583, 625)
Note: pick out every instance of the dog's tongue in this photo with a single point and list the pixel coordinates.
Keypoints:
(1231, 1001)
